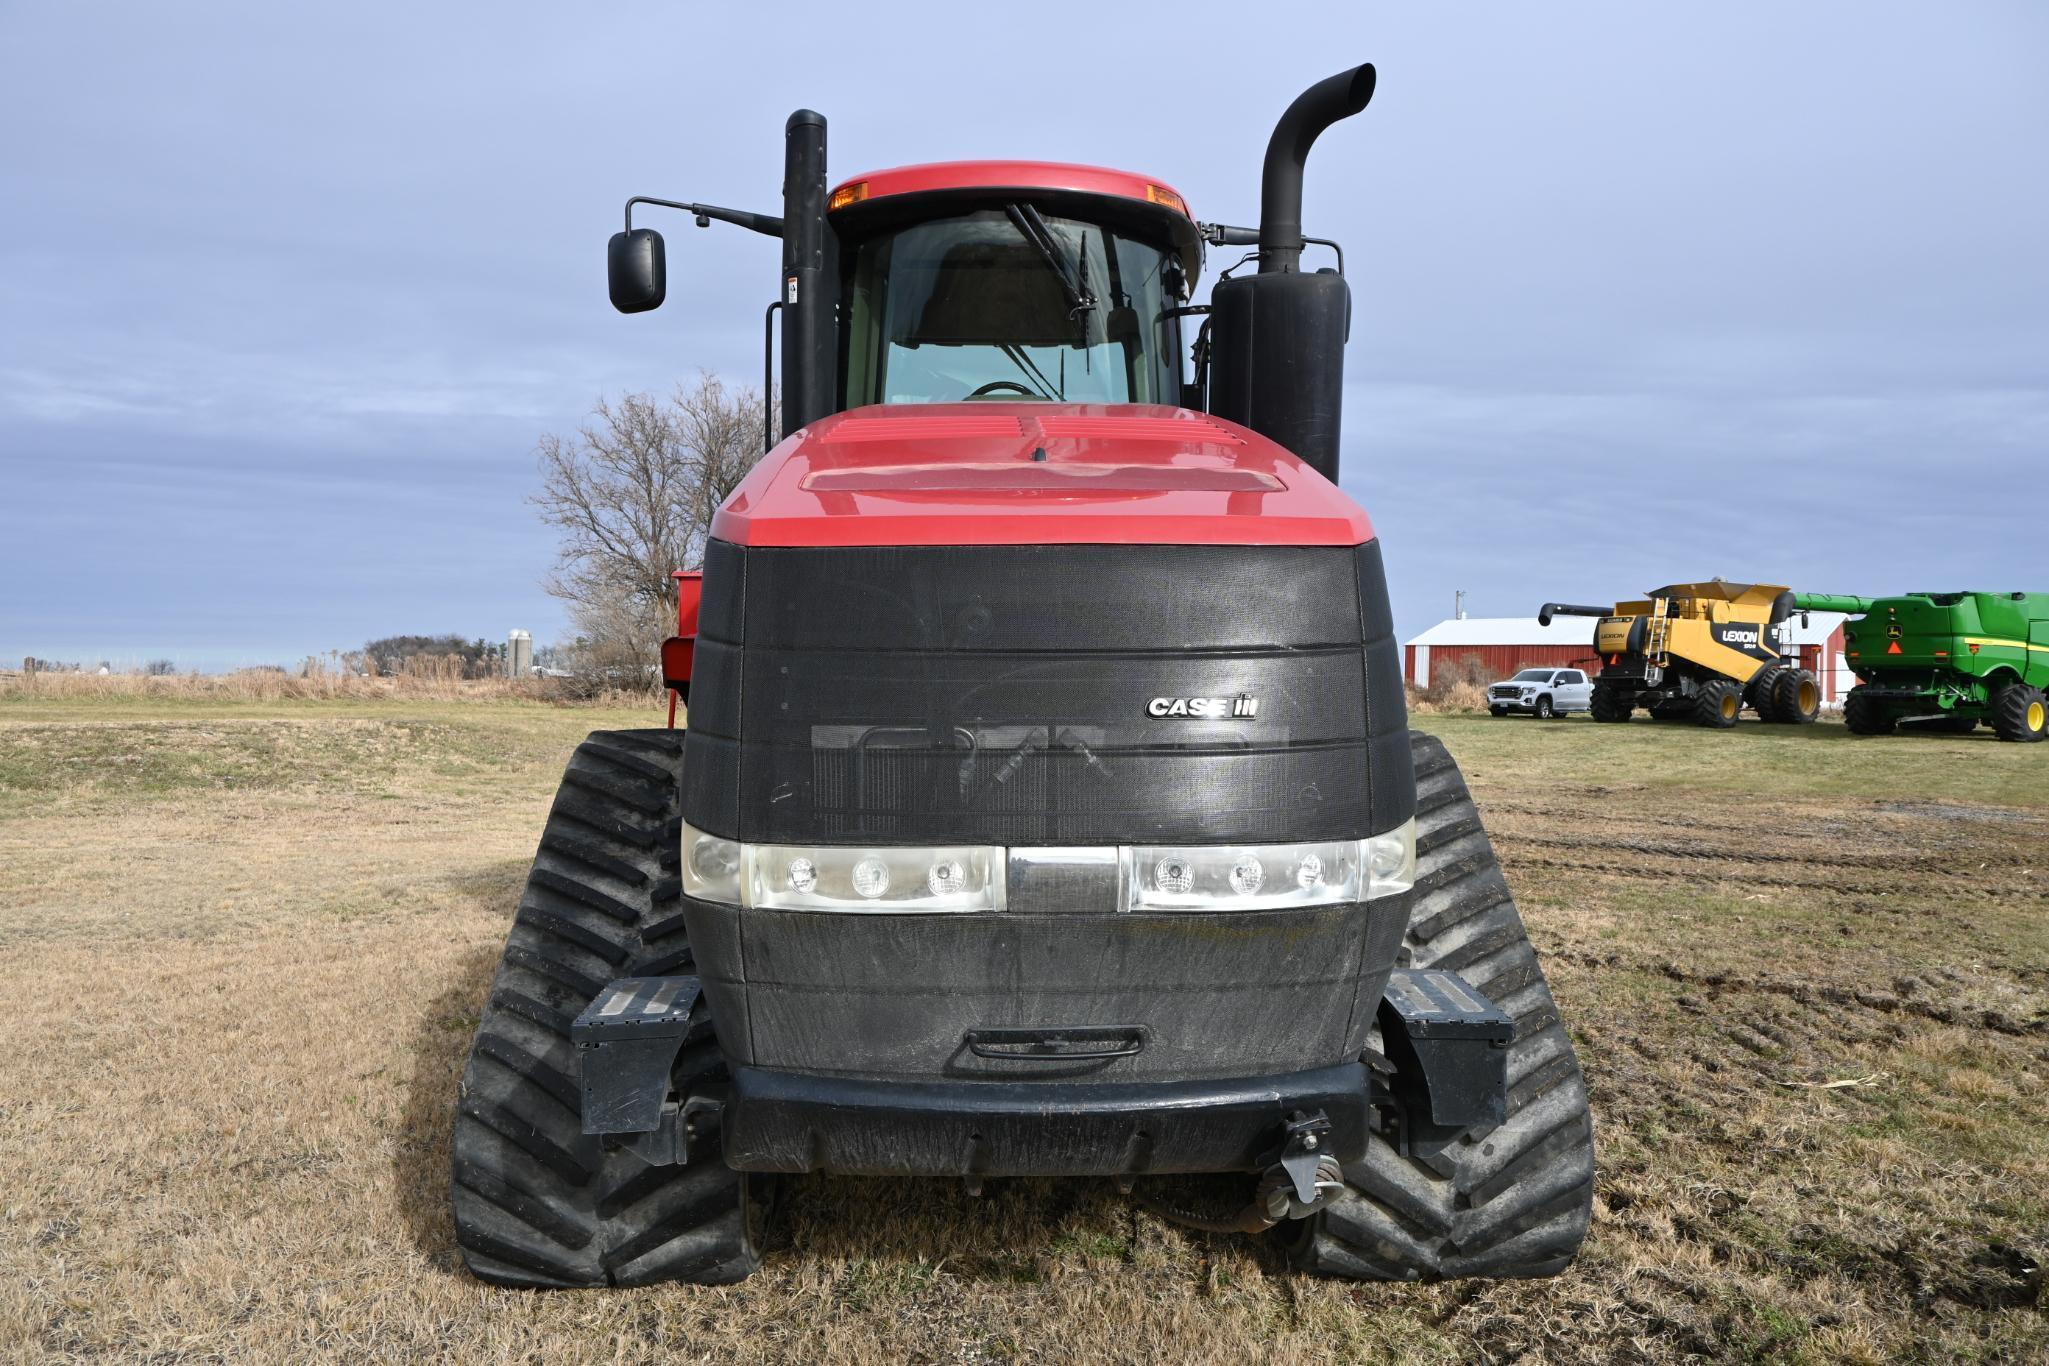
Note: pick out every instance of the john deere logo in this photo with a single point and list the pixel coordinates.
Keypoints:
(1204, 708)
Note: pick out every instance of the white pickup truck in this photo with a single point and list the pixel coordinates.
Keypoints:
(1543, 693)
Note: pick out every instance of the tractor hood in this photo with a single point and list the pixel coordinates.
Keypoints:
(1034, 473)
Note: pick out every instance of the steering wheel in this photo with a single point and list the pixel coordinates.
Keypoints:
(993, 385)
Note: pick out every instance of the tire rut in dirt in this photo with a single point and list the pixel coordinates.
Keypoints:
(1508, 1202)
(537, 1201)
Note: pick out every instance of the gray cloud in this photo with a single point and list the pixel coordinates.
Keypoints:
(1643, 293)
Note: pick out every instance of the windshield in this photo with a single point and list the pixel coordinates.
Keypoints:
(973, 307)
(1533, 676)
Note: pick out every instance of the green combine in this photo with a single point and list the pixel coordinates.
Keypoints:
(1945, 662)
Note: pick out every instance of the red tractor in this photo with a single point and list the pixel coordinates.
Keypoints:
(1047, 803)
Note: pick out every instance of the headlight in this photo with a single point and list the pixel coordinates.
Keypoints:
(803, 878)
(1258, 877)
(1227, 877)
(1390, 860)
(1235, 877)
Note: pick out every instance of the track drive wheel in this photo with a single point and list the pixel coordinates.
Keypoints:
(1762, 695)
(1865, 715)
(538, 1202)
(1509, 1202)
(1796, 697)
(1718, 703)
(1609, 704)
(2019, 712)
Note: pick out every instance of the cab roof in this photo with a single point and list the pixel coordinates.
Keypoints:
(1058, 176)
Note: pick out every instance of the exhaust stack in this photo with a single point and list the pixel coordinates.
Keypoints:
(1277, 349)
(1287, 153)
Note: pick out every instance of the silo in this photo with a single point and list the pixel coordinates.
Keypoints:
(519, 654)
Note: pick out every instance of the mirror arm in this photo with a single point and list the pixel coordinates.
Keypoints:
(766, 224)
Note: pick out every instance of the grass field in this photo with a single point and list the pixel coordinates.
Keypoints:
(245, 944)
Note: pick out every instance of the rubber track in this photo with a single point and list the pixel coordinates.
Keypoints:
(537, 1202)
(1508, 1202)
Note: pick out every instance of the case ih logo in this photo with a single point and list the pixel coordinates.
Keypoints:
(1204, 708)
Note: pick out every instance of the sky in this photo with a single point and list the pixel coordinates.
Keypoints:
(1642, 293)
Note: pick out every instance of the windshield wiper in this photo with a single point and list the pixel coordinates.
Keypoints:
(1032, 224)
(1015, 354)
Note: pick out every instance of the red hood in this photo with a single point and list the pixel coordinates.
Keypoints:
(1034, 473)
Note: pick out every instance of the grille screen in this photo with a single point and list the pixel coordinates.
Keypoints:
(1004, 695)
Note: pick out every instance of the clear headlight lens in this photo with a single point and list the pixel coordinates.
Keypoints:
(972, 877)
(793, 877)
(711, 867)
(1232, 877)
(1391, 860)
(1229, 877)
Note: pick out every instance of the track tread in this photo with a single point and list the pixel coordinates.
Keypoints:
(537, 1202)
(1512, 1202)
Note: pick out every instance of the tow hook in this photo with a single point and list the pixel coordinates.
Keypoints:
(1306, 1178)
(1302, 1179)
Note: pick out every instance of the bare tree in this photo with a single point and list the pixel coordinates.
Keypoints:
(632, 494)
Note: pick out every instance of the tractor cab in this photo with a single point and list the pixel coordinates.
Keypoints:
(1011, 281)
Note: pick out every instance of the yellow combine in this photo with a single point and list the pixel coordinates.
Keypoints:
(1698, 651)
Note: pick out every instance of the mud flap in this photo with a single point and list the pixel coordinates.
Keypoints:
(1448, 1046)
(627, 1040)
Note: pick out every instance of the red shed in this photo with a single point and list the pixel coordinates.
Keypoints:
(1498, 646)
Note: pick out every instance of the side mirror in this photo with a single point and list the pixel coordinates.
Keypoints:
(636, 270)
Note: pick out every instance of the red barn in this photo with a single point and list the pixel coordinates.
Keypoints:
(1498, 646)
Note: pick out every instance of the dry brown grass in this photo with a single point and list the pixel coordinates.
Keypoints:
(426, 679)
(246, 945)
(1447, 697)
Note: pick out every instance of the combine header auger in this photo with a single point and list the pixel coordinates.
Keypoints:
(1048, 804)
(1699, 652)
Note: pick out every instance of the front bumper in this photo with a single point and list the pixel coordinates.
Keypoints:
(896, 997)
(778, 1121)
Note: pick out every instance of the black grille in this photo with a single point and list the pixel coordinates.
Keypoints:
(1000, 695)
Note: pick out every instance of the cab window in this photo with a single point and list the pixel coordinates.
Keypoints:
(1011, 305)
